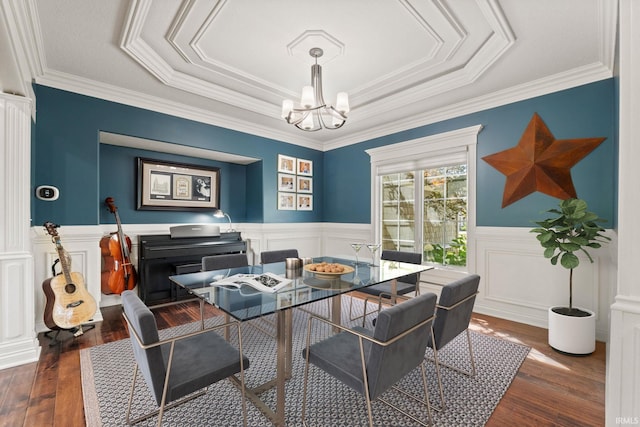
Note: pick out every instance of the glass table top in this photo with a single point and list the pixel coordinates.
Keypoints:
(244, 302)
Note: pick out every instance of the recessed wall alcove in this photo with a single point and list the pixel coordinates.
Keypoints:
(118, 176)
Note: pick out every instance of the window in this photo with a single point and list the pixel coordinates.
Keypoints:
(424, 196)
(398, 211)
(441, 229)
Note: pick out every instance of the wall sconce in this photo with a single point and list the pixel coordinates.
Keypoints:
(220, 214)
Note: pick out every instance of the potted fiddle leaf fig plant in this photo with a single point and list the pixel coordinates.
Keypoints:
(570, 231)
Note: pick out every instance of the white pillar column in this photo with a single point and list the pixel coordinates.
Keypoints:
(18, 342)
(623, 361)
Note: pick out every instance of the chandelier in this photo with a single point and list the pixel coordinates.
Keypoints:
(313, 113)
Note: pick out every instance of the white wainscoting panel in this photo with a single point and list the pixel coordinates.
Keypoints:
(519, 284)
(305, 237)
(337, 239)
(18, 343)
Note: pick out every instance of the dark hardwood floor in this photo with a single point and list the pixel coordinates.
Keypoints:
(550, 389)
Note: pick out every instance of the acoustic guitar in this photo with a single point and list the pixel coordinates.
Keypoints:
(69, 304)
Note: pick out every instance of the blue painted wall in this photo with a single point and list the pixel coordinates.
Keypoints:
(582, 112)
(67, 154)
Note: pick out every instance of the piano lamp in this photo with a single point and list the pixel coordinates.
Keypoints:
(221, 214)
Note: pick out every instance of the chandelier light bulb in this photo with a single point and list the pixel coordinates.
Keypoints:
(342, 102)
(307, 123)
(307, 100)
(287, 106)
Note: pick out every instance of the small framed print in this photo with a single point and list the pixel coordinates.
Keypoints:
(304, 202)
(305, 167)
(286, 164)
(286, 201)
(286, 182)
(305, 184)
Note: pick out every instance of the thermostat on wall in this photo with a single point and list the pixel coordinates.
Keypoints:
(47, 192)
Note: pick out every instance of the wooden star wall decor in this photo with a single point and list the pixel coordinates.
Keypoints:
(540, 163)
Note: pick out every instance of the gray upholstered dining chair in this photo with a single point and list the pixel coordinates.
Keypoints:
(371, 362)
(176, 367)
(453, 315)
(404, 285)
(227, 261)
(268, 257)
(220, 262)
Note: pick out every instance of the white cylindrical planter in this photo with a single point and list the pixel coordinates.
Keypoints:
(573, 335)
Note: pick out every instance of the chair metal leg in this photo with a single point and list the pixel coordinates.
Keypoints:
(351, 318)
(426, 391)
(128, 419)
(133, 387)
(471, 374)
(424, 402)
(437, 364)
(365, 385)
(473, 360)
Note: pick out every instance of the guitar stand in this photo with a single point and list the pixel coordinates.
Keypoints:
(77, 331)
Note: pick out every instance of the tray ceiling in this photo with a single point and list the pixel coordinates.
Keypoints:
(230, 63)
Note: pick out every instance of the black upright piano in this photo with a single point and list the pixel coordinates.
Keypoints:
(161, 256)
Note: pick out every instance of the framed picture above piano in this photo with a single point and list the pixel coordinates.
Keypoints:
(177, 186)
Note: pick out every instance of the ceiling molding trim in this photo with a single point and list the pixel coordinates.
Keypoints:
(133, 44)
(177, 25)
(496, 45)
(140, 51)
(573, 78)
(21, 19)
(395, 81)
(111, 93)
(25, 29)
(186, 49)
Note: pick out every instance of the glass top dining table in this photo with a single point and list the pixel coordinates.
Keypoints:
(246, 303)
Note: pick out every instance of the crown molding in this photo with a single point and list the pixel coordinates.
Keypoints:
(117, 94)
(577, 77)
(23, 30)
(573, 78)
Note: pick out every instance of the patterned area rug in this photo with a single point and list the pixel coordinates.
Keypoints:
(107, 371)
